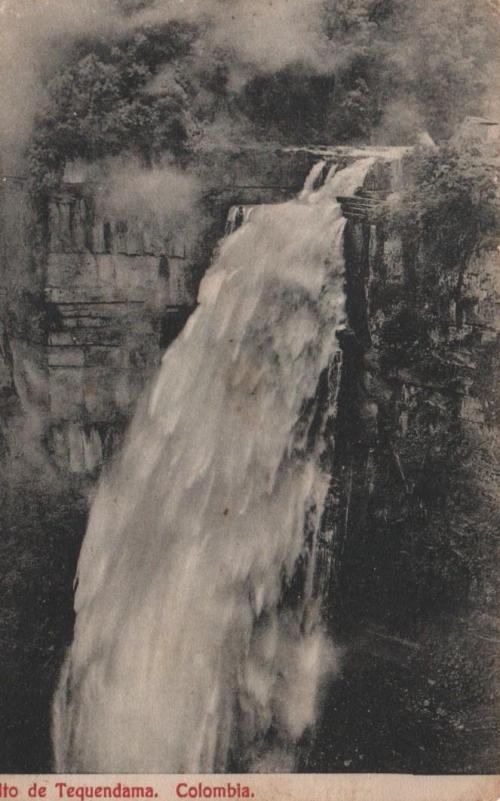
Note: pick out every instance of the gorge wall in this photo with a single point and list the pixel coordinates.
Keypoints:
(409, 554)
(89, 301)
(410, 549)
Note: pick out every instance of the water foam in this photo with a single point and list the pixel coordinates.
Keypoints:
(184, 651)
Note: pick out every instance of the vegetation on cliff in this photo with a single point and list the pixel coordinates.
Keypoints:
(451, 191)
(416, 553)
(448, 211)
(378, 69)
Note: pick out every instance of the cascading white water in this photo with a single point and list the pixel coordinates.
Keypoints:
(237, 216)
(184, 650)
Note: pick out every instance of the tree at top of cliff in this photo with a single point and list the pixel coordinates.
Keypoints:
(453, 192)
(98, 104)
(157, 88)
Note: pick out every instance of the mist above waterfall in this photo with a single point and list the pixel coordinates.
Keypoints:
(187, 630)
(288, 70)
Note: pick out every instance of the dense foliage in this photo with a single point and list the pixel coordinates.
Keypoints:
(450, 198)
(447, 213)
(97, 104)
(389, 68)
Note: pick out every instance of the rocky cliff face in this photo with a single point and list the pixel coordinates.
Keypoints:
(90, 301)
(409, 551)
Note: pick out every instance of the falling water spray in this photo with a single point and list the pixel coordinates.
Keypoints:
(189, 647)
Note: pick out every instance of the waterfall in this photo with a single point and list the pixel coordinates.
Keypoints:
(197, 634)
(237, 216)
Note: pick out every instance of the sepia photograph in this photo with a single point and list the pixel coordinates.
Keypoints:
(249, 396)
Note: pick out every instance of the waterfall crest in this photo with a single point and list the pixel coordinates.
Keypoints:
(184, 650)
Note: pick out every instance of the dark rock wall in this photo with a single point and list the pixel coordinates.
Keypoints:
(413, 515)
